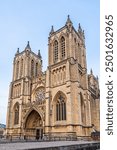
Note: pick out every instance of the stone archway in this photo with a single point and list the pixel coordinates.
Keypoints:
(34, 125)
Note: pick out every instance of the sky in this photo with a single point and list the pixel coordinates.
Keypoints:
(31, 20)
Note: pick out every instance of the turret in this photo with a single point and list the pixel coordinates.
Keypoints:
(91, 71)
(28, 47)
(68, 22)
(81, 34)
(52, 31)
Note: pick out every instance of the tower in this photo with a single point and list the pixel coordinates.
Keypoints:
(27, 66)
(68, 107)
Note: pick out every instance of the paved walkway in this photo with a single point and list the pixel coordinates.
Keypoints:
(29, 145)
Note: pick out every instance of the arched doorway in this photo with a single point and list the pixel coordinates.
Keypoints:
(34, 125)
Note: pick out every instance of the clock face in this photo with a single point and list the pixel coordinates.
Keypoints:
(40, 95)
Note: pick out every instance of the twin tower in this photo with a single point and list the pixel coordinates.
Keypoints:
(63, 101)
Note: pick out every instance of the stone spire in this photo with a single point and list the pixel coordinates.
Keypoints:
(81, 33)
(28, 46)
(97, 78)
(68, 22)
(52, 30)
(17, 51)
(39, 54)
(91, 71)
(79, 28)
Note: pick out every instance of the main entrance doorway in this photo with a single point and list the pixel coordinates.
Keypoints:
(39, 134)
(34, 126)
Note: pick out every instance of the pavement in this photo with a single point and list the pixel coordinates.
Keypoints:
(31, 145)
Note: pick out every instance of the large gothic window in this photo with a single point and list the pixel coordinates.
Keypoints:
(17, 69)
(60, 109)
(21, 72)
(36, 70)
(63, 47)
(32, 68)
(55, 51)
(16, 114)
(83, 117)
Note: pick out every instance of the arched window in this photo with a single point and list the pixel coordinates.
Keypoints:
(55, 51)
(17, 69)
(36, 70)
(16, 114)
(83, 117)
(63, 47)
(32, 68)
(60, 109)
(21, 72)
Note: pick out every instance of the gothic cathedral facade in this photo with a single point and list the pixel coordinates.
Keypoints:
(61, 102)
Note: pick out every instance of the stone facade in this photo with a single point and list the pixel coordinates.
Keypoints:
(61, 102)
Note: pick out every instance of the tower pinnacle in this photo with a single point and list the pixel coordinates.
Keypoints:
(28, 46)
(79, 28)
(17, 51)
(39, 54)
(52, 30)
(68, 22)
(91, 71)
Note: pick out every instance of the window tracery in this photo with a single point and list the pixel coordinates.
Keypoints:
(63, 47)
(36, 70)
(21, 72)
(17, 69)
(16, 114)
(60, 109)
(32, 68)
(40, 95)
(55, 51)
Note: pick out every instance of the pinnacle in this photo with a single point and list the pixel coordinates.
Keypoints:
(68, 20)
(52, 30)
(28, 46)
(39, 54)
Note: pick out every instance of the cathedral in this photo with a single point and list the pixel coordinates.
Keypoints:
(62, 102)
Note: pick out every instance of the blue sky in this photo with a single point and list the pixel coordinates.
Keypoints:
(31, 20)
